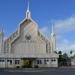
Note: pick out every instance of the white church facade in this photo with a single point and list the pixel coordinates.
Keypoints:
(27, 45)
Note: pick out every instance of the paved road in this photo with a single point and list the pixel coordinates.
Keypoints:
(61, 71)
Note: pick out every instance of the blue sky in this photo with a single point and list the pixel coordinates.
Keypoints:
(60, 13)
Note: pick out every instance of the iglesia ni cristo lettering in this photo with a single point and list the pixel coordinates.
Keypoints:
(27, 44)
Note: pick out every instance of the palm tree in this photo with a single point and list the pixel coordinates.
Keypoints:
(71, 52)
(60, 52)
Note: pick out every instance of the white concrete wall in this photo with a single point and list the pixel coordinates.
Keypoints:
(2, 64)
(48, 63)
(35, 45)
(1, 42)
(6, 63)
(73, 62)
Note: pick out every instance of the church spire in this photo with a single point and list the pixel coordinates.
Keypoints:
(52, 33)
(28, 14)
(53, 39)
(52, 29)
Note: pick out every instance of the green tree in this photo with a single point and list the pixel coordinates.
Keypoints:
(60, 52)
(63, 59)
(71, 52)
(60, 59)
(65, 55)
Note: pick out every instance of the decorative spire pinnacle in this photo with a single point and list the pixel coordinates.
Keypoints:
(53, 39)
(52, 34)
(28, 14)
(52, 28)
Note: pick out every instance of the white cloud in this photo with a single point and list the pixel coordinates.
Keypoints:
(65, 25)
(45, 31)
(72, 46)
(66, 46)
(62, 28)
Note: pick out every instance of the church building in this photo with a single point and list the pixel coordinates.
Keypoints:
(27, 47)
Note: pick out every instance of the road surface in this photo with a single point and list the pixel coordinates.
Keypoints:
(57, 71)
